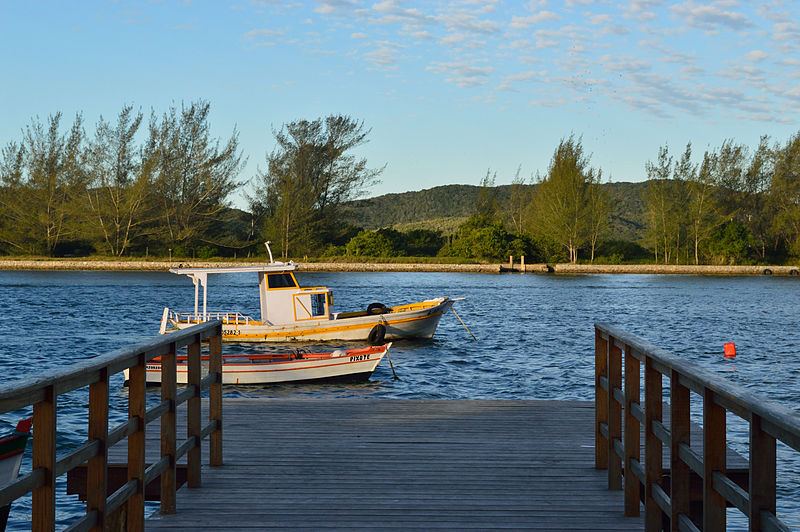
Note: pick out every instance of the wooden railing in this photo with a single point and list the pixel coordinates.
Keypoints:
(42, 392)
(618, 447)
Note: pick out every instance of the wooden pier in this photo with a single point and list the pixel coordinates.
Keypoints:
(339, 463)
(402, 464)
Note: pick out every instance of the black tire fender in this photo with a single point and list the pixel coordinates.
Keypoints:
(377, 308)
(377, 334)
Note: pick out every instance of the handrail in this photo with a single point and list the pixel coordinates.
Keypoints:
(227, 317)
(42, 393)
(619, 450)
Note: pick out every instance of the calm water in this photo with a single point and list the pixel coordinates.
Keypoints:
(535, 336)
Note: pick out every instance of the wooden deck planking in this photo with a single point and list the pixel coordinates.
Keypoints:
(401, 464)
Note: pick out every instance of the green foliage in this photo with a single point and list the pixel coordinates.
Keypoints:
(731, 243)
(64, 193)
(423, 242)
(621, 251)
(193, 174)
(480, 238)
(785, 194)
(43, 179)
(389, 242)
(371, 244)
(128, 190)
(568, 206)
(738, 205)
(309, 175)
(207, 252)
(437, 205)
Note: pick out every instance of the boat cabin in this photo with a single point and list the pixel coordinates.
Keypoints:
(282, 300)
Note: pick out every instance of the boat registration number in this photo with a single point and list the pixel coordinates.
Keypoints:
(359, 358)
(230, 332)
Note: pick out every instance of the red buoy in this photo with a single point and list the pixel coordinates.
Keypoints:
(730, 350)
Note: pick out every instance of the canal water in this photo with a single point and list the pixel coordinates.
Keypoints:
(535, 337)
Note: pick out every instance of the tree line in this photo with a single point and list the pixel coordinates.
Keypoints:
(126, 189)
(136, 187)
(737, 205)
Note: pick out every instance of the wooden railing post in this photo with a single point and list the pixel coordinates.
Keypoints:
(762, 473)
(614, 414)
(600, 400)
(43, 503)
(96, 470)
(714, 459)
(193, 418)
(124, 508)
(168, 430)
(653, 448)
(680, 473)
(215, 398)
(137, 406)
(691, 469)
(632, 434)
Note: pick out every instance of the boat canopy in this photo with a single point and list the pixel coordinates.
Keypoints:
(199, 277)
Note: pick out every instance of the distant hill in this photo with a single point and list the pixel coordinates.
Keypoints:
(445, 207)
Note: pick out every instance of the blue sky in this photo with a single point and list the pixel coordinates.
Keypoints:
(450, 89)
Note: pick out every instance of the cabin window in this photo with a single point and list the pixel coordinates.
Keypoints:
(317, 305)
(281, 280)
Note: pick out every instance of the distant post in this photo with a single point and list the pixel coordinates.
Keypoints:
(522, 263)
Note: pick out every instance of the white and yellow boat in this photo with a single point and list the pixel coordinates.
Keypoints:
(291, 313)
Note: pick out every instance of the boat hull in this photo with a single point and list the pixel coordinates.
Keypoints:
(352, 365)
(12, 448)
(403, 324)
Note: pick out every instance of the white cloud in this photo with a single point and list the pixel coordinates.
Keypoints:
(521, 23)
(663, 67)
(462, 73)
(712, 16)
(756, 56)
(786, 32)
(254, 35)
(468, 22)
(546, 43)
(616, 30)
(794, 93)
(384, 56)
(624, 64)
(640, 9)
(390, 12)
(335, 7)
(507, 84)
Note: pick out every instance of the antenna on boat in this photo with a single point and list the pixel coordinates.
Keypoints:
(269, 251)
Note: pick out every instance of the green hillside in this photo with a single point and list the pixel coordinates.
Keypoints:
(445, 207)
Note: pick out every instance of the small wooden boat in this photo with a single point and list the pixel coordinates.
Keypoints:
(350, 365)
(11, 450)
(291, 313)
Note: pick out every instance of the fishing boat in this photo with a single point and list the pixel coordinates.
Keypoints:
(291, 313)
(11, 449)
(351, 365)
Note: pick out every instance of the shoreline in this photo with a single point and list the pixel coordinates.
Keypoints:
(569, 269)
